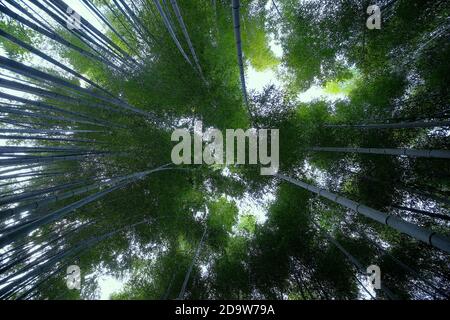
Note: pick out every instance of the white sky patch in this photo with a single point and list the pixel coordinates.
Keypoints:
(248, 204)
(315, 174)
(258, 80)
(109, 285)
(319, 93)
(275, 47)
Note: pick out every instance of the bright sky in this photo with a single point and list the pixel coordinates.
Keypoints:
(81, 9)
(318, 93)
(108, 285)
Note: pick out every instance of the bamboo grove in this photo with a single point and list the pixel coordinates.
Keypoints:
(91, 94)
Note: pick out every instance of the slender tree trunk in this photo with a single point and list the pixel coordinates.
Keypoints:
(13, 149)
(404, 266)
(65, 211)
(188, 273)
(237, 34)
(82, 246)
(55, 240)
(353, 260)
(9, 213)
(176, 9)
(143, 29)
(16, 137)
(440, 154)
(40, 105)
(49, 159)
(52, 35)
(37, 193)
(83, 37)
(52, 95)
(416, 232)
(49, 132)
(24, 175)
(423, 212)
(428, 195)
(276, 8)
(124, 55)
(97, 12)
(171, 31)
(124, 25)
(50, 59)
(132, 23)
(39, 75)
(167, 293)
(404, 187)
(401, 125)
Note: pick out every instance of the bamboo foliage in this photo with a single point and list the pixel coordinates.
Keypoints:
(78, 131)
